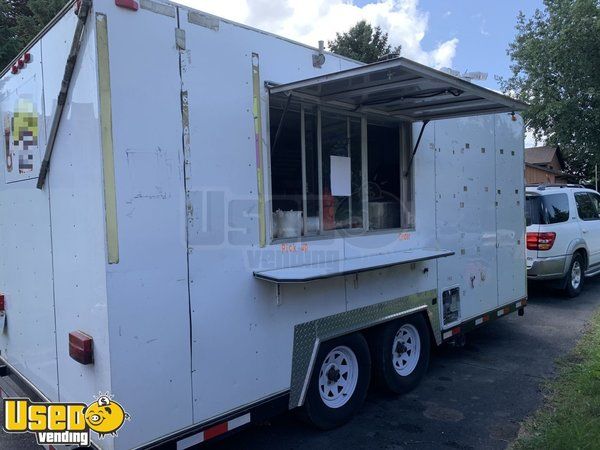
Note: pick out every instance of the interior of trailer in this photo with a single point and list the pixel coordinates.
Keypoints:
(334, 171)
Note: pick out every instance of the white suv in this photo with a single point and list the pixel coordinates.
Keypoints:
(563, 235)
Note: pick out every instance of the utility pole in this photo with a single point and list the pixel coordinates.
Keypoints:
(596, 167)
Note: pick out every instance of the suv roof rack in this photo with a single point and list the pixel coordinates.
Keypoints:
(542, 186)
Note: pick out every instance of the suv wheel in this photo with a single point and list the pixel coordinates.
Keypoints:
(575, 276)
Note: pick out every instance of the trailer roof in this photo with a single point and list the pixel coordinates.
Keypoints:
(400, 88)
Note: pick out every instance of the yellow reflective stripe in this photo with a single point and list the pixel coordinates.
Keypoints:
(259, 153)
(110, 196)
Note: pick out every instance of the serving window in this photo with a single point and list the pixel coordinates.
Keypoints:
(335, 171)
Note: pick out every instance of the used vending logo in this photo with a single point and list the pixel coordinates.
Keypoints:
(64, 423)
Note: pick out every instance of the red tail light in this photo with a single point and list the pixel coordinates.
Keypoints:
(81, 347)
(540, 241)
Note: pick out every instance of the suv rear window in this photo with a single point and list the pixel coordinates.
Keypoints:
(588, 205)
(546, 209)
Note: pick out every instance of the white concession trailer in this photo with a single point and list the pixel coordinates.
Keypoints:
(236, 224)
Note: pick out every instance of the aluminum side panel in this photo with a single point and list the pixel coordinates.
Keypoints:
(148, 305)
(465, 216)
(75, 186)
(27, 340)
(510, 214)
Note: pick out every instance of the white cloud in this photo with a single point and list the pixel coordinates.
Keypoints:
(532, 141)
(309, 21)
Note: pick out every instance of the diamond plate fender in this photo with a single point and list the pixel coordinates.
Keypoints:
(309, 335)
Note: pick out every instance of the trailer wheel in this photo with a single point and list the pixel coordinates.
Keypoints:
(339, 381)
(575, 276)
(401, 353)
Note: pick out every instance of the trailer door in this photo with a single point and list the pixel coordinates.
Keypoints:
(510, 209)
(465, 211)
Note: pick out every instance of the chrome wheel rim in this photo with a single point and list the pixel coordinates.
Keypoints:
(406, 350)
(576, 274)
(338, 377)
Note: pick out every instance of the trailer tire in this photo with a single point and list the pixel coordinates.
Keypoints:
(339, 381)
(401, 351)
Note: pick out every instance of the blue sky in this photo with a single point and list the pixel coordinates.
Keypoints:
(483, 28)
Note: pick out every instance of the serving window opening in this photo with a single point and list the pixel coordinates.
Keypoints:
(336, 172)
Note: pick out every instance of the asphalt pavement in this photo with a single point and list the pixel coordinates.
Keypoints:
(473, 397)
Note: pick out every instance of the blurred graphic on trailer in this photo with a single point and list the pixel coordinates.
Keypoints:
(25, 133)
(20, 118)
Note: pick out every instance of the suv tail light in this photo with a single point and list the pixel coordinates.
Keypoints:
(540, 241)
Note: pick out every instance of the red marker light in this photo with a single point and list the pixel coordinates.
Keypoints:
(27, 58)
(14, 69)
(128, 4)
(81, 347)
(1, 302)
(21, 63)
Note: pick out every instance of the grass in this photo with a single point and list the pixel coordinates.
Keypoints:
(570, 417)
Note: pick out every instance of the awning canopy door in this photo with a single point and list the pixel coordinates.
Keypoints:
(400, 88)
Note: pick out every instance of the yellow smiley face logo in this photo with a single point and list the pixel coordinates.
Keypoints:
(105, 416)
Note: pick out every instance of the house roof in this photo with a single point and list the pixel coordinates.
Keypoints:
(547, 169)
(543, 155)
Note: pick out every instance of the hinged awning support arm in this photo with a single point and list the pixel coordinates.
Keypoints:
(285, 110)
(412, 157)
(82, 15)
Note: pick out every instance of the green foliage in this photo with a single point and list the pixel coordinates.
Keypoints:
(21, 21)
(556, 68)
(570, 417)
(363, 43)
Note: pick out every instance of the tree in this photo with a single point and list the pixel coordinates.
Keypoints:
(363, 43)
(21, 21)
(556, 68)
(9, 11)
